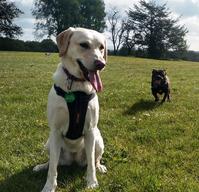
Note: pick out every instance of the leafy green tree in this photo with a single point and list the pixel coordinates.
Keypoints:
(92, 13)
(154, 29)
(8, 12)
(54, 16)
(48, 45)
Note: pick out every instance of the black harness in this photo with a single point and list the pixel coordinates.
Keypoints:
(77, 103)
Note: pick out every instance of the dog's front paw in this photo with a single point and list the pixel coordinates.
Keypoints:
(37, 168)
(92, 184)
(40, 167)
(49, 187)
(102, 168)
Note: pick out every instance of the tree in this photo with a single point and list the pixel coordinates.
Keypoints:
(92, 13)
(48, 45)
(117, 28)
(54, 16)
(8, 12)
(129, 39)
(154, 30)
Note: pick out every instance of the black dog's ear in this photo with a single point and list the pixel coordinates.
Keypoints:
(154, 70)
(165, 72)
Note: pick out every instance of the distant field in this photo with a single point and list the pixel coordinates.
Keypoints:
(148, 147)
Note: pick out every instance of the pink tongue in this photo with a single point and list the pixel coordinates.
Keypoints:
(95, 81)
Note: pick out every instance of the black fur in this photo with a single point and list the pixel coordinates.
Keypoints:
(160, 85)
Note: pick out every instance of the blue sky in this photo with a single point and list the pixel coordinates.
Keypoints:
(187, 9)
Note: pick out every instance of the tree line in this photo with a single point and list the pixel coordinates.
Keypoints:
(146, 30)
(46, 45)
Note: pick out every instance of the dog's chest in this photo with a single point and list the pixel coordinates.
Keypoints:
(77, 103)
(160, 91)
(161, 88)
(77, 113)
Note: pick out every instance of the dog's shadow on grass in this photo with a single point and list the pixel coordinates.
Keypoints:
(140, 106)
(69, 177)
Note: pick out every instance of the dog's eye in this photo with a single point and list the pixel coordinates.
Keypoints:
(85, 45)
(101, 47)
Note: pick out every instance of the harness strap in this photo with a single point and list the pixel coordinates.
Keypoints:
(77, 111)
(59, 91)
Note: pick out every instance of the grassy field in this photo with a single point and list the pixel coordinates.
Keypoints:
(148, 147)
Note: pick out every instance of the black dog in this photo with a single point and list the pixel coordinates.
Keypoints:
(160, 84)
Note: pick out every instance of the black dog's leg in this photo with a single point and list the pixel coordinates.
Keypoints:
(164, 98)
(168, 97)
(155, 95)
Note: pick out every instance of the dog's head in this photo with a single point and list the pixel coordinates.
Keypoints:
(86, 50)
(158, 77)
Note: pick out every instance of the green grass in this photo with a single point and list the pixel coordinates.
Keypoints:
(148, 147)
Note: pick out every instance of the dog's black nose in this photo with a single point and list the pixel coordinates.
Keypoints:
(99, 65)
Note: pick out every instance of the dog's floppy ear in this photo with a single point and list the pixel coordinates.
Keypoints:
(63, 40)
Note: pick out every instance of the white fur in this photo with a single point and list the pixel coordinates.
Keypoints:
(88, 149)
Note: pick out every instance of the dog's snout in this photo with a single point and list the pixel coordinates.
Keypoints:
(99, 65)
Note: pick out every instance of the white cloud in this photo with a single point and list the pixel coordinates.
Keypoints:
(24, 2)
(192, 24)
(186, 8)
(25, 6)
(178, 1)
(193, 42)
(25, 22)
(28, 34)
(192, 37)
(196, 2)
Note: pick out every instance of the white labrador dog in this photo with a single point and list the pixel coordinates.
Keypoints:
(83, 55)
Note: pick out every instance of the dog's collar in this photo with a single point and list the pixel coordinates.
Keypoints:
(70, 76)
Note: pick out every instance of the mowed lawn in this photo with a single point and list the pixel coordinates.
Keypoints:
(148, 147)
